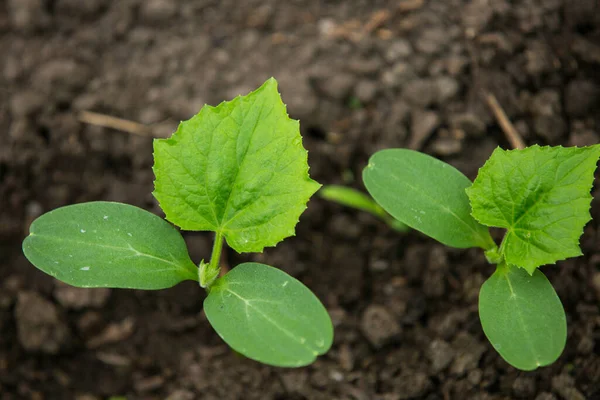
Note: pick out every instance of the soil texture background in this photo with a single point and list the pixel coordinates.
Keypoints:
(360, 75)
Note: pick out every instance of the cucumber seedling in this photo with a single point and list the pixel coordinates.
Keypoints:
(239, 170)
(539, 195)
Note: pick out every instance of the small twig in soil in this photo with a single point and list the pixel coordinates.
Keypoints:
(509, 130)
(377, 19)
(410, 5)
(106, 121)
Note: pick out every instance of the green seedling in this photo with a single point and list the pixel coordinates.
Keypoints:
(238, 170)
(355, 199)
(539, 195)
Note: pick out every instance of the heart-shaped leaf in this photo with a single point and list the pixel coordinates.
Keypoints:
(541, 195)
(238, 169)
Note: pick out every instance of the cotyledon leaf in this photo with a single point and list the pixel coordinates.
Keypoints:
(238, 169)
(541, 195)
(269, 316)
(522, 317)
(426, 194)
(104, 244)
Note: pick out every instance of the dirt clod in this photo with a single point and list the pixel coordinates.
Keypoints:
(40, 325)
(79, 298)
(378, 325)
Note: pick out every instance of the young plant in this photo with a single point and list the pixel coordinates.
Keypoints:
(540, 195)
(239, 170)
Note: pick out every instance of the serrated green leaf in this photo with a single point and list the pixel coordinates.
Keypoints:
(239, 169)
(103, 244)
(541, 195)
(268, 316)
(353, 198)
(522, 317)
(426, 194)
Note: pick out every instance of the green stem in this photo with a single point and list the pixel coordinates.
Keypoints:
(209, 272)
(495, 255)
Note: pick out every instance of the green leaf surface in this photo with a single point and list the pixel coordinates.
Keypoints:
(268, 316)
(353, 198)
(522, 317)
(239, 169)
(426, 194)
(541, 195)
(103, 244)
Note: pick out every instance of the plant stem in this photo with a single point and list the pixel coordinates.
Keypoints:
(495, 255)
(209, 272)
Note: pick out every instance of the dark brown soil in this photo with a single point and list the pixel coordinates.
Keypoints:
(361, 75)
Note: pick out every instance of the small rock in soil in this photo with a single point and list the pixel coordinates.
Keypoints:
(474, 377)
(420, 92)
(26, 104)
(398, 49)
(346, 358)
(365, 66)
(113, 333)
(545, 103)
(524, 387)
(338, 87)
(423, 123)
(379, 326)
(365, 91)
(539, 58)
(411, 385)
(468, 123)
(547, 119)
(153, 11)
(149, 384)
(446, 146)
(447, 88)
(39, 324)
(581, 97)
(468, 353)
(398, 75)
(564, 385)
(455, 64)
(476, 15)
(441, 354)
(78, 298)
(432, 41)
(181, 394)
(28, 15)
(587, 50)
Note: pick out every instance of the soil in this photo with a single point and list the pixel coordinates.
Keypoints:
(360, 75)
